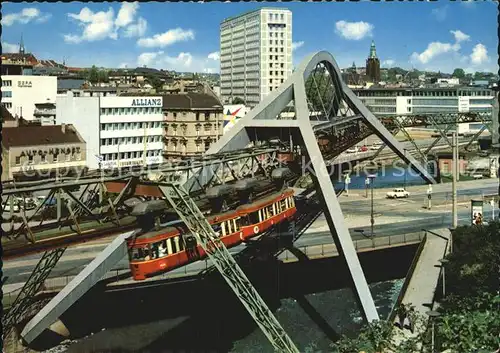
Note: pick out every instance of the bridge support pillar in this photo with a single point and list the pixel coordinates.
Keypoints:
(333, 212)
(93, 272)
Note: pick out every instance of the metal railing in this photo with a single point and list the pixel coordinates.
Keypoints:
(330, 250)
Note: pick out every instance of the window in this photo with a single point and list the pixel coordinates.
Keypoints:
(68, 157)
(207, 116)
(175, 115)
(271, 81)
(270, 58)
(18, 160)
(6, 94)
(30, 159)
(197, 116)
(282, 17)
(208, 128)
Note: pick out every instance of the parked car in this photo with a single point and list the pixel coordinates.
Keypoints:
(398, 193)
(375, 147)
(6, 207)
(352, 150)
(364, 148)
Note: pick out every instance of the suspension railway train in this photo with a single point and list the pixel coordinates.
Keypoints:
(155, 252)
(237, 213)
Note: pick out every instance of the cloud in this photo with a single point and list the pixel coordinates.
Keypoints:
(479, 55)
(214, 56)
(146, 59)
(96, 26)
(388, 62)
(440, 13)
(126, 14)
(434, 49)
(25, 16)
(354, 30)
(137, 29)
(103, 25)
(9, 48)
(297, 45)
(182, 62)
(167, 38)
(460, 36)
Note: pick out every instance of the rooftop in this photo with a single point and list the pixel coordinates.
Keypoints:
(190, 101)
(253, 11)
(39, 135)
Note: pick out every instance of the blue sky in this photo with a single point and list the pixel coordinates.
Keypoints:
(185, 36)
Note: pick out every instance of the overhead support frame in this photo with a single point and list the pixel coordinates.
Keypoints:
(268, 112)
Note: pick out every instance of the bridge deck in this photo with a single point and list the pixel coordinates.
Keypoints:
(423, 283)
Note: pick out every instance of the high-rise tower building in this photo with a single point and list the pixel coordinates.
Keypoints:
(373, 65)
(255, 54)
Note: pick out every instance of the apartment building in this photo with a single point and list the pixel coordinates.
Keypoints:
(255, 54)
(192, 122)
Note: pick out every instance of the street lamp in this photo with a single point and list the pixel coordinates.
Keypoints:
(372, 177)
(443, 264)
(432, 314)
(404, 186)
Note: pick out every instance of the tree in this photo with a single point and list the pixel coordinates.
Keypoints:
(103, 76)
(459, 73)
(155, 82)
(93, 75)
(238, 100)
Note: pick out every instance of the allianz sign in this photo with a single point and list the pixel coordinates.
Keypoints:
(147, 102)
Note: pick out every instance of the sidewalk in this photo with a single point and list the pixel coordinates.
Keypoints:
(422, 189)
(423, 283)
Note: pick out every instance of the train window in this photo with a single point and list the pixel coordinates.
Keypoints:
(136, 254)
(229, 227)
(181, 244)
(255, 217)
(155, 250)
(261, 217)
(286, 203)
(175, 245)
(217, 228)
(162, 248)
(292, 201)
(236, 222)
(146, 254)
(275, 209)
(223, 226)
(170, 251)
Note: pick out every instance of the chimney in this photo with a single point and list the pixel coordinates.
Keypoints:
(63, 128)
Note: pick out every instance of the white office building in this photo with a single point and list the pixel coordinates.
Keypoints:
(255, 54)
(119, 131)
(21, 93)
(412, 101)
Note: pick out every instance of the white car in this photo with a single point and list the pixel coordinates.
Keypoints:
(352, 150)
(398, 193)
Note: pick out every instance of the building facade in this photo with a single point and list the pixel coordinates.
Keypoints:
(193, 121)
(20, 94)
(401, 101)
(31, 152)
(255, 54)
(373, 65)
(120, 131)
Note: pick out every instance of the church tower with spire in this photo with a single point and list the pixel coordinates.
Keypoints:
(21, 46)
(373, 65)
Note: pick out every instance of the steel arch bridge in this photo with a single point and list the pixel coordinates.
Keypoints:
(313, 101)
